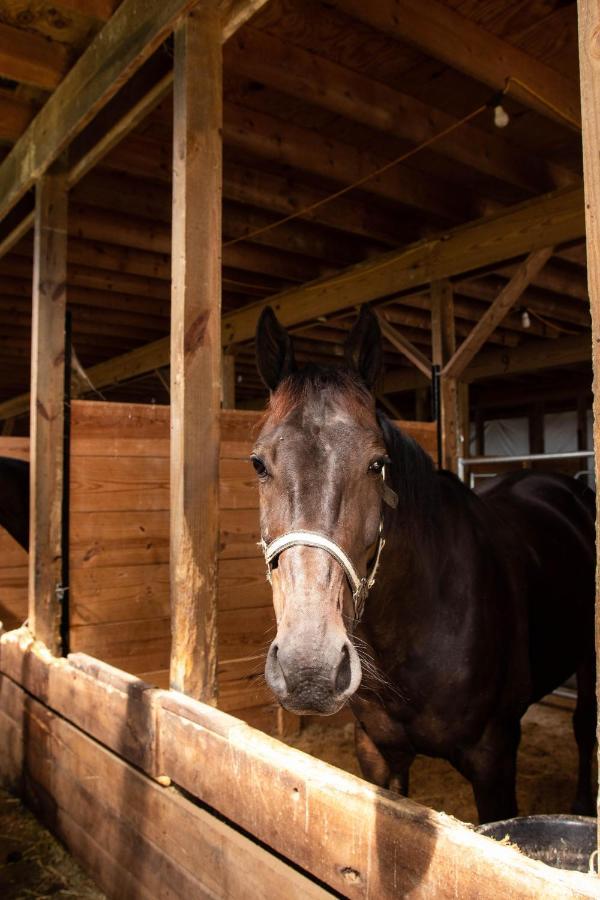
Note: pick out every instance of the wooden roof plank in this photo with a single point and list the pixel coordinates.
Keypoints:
(29, 58)
(305, 75)
(126, 41)
(445, 35)
(552, 219)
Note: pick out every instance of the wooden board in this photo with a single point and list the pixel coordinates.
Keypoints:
(138, 839)
(359, 840)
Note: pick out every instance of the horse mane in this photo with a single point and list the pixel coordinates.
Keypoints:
(413, 476)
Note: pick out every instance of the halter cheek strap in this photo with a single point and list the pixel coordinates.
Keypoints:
(360, 586)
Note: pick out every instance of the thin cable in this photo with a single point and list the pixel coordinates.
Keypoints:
(549, 324)
(512, 79)
(350, 187)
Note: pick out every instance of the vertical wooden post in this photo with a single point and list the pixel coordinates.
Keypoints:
(589, 68)
(196, 353)
(443, 340)
(46, 415)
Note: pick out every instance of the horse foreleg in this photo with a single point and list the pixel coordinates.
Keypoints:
(491, 767)
(373, 765)
(391, 772)
(584, 726)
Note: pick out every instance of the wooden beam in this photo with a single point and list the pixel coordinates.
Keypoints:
(139, 157)
(235, 13)
(136, 99)
(547, 304)
(15, 116)
(552, 219)
(443, 346)
(488, 323)
(46, 417)
(404, 346)
(126, 41)
(196, 354)
(589, 67)
(530, 356)
(96, 9)
(31, 58)
(441, 32)
(284, 142)
(310, 77)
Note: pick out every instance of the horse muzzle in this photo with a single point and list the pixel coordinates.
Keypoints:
(314, 681)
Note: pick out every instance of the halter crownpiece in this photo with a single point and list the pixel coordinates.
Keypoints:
(360, 586)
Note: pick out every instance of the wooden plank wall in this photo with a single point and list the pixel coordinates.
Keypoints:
(13, 559)
(119, 555)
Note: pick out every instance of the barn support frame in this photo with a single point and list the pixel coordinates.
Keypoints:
(46, 414)
(589, 64)
(95, 722)
(196, 353)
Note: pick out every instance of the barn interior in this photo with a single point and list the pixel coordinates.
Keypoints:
(423, 158)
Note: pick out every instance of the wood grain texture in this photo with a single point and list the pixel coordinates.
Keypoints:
(127, 40)
(196, 353)
(446, 35)
(406, 347)
(370, 844)
(31, 59)
(589, 57)
(46, 417)
(140, 839)
(506, 299)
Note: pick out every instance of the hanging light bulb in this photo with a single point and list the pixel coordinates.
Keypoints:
(525, 320)
(501, 117)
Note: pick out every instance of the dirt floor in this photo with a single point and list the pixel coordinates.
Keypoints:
(32, 863)
(547, 764)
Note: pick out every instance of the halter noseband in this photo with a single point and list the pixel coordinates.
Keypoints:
(360, 586)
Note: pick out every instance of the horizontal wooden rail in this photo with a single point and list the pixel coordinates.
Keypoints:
(358, 839)
(554, 218)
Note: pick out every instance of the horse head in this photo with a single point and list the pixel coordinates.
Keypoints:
(320, 461)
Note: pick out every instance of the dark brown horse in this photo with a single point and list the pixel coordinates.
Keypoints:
(475, 605)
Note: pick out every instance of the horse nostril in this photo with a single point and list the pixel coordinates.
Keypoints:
(344, 673)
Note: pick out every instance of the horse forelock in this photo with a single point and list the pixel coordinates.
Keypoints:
(341, 386)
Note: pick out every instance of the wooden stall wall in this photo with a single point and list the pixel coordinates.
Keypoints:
(13, 559)
(119, 535)
(119, 551)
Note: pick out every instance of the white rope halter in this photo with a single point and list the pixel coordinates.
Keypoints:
(360, 586)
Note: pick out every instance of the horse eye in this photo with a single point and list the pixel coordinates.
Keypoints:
(259, 466)
(377, 465)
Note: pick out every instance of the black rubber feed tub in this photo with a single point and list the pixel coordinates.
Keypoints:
(565, 842)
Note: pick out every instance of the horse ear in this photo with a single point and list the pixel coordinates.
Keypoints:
(363, 348)
(274, 350)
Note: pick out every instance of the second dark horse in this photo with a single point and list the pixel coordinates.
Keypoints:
(482, 603)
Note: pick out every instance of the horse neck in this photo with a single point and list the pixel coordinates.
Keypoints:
(407, 586)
